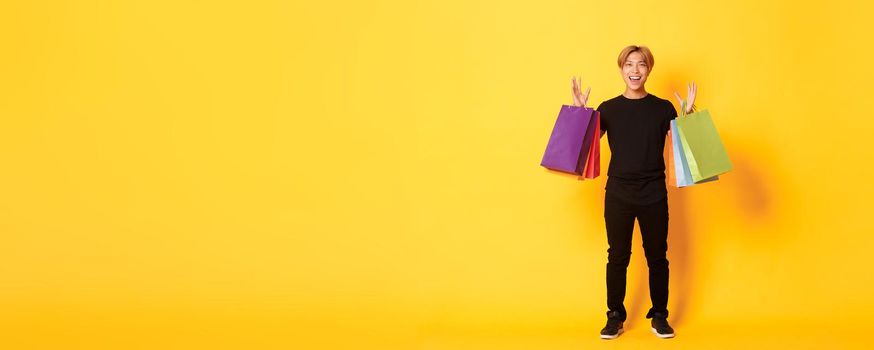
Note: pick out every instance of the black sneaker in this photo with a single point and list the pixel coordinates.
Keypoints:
(614, 326)
(661, 328)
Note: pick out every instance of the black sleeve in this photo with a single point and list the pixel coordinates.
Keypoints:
(672, 114)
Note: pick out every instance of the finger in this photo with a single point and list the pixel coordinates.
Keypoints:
(679, 99)
(691, 98)
(688, 96)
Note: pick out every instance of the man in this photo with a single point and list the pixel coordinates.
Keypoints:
(637, 123)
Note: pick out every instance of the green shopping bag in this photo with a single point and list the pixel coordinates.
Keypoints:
(703, 147)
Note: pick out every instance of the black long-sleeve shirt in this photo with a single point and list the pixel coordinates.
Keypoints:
(636, 130)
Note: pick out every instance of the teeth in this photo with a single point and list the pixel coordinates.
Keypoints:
(634, 78)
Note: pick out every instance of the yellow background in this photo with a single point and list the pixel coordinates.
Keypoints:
(303, 175)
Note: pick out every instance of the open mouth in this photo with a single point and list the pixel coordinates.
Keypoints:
(634, 78)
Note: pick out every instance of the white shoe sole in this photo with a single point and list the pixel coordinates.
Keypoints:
(613, 336)
(663, 336)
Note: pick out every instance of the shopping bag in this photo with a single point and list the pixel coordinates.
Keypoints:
(669, 159)
(681, 167)
(705, 155)
(682, 172)
(593, 161)
(568, 145)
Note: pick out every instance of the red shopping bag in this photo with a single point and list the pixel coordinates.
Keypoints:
(593, 160)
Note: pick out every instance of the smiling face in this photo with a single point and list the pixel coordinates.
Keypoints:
(635, 71)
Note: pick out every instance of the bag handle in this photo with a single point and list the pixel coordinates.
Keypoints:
(683, 109)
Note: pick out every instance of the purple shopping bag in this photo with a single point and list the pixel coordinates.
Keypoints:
(567, 149)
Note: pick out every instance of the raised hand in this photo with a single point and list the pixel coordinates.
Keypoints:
(690, 97)
(580, 98)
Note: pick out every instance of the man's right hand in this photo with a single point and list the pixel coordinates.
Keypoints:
(580, 98)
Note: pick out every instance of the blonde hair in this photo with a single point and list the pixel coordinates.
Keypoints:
(643, 50)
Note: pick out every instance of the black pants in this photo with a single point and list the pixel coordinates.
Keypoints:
(653, 219)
